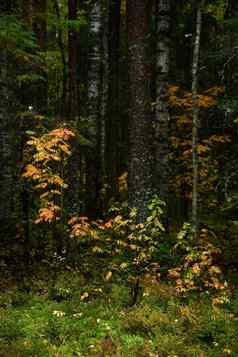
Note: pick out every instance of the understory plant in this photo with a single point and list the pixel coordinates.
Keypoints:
(130, 248)
(198, 269)
(50, 152)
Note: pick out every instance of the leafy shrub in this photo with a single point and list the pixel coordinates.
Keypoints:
(49, 157)
(130, 247)
(197, 270)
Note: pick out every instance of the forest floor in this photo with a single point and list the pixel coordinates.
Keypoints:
(68, 317)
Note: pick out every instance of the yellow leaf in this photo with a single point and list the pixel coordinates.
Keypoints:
(31, 171)
(41, 185)
(84, 296)
(108, 276)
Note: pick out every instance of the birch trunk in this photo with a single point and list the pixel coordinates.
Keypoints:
(139, 166)
(195, 109)
(94, 100)
(162, 108)
(104, 88)
(113, 120)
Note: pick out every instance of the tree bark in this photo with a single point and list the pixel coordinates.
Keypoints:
(8, 135)
(27, 12)
(40, 22)
(94, 101)
(104, 93)
(139, 166)
(40, 30)
(161, 125)
(62, 54)
(113, 119)
(6, 148)
(72, 100)
(195, 109)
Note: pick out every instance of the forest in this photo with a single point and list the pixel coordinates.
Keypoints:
(119, 178)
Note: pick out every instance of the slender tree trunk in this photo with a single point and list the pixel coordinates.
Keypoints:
(40, 22)
(139, 166)
(8, 135)
(62, 54)
(161, 129)
(72, 106)
(104, 94)
(27, 9)
(40, 30)
(23, 126)
(72, 100)
(113, 119)
(232, 8)
(195, 65)
(6, 148)
(94, 102)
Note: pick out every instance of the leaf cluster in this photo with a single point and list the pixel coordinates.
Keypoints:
(49, 157)
(198, 269)
(129, 247)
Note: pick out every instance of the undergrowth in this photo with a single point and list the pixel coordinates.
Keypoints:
(70, 318)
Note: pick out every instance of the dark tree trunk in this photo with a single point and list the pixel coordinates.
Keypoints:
(60, 43)
(40, 29)
(8, 135)
(40, 22)
(72, 98)
(232, 9)
(139, 165)
(72, 105)
(6, 148)
(27, 12)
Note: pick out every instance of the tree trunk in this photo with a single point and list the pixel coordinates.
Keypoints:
(139, 166)
(94, 101)
(73, 107)
(104, 97)
(161, 129)
(113, 118)
(62, 54)
(40, 30)
(6, 149)
(27, 12)
(232, 9)
(40, 23)
(195, 109)
(72, 100)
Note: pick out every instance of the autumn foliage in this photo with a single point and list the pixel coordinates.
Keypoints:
(49, 156)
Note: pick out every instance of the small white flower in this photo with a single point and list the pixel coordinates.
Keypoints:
(227, 351)
(59, 313)
(107, 327)
(78, 315)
